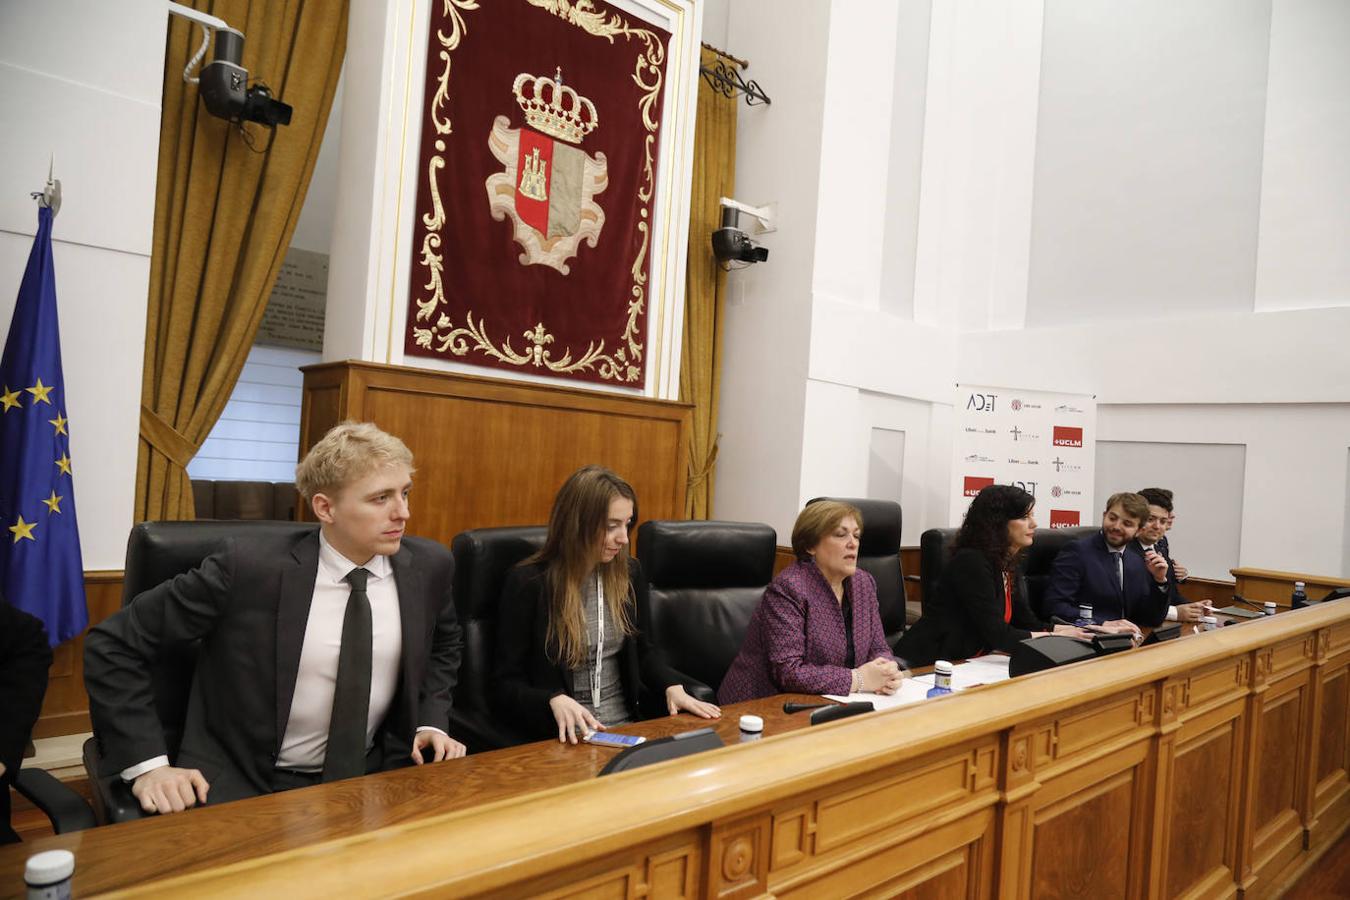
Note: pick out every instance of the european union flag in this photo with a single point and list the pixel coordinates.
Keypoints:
(40, 567)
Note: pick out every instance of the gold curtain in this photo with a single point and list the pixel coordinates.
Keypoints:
(224, 215)
(705, 287)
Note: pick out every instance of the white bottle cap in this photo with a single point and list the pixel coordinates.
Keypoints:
(1210, 620)
(942, 667)
(1269, 604)
(49, 868)
(752, 723)
(1298, 585)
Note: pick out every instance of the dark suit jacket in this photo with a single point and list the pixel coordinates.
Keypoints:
(526, 675)
(968, 618)
(1173, 588)
(249, 605)
(1084, 572)
(25, 659)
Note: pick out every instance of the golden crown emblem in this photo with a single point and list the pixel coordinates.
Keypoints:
(554, 108)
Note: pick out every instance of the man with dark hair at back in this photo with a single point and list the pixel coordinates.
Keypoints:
(1152, 538)
(1123, 589)
(25, 658)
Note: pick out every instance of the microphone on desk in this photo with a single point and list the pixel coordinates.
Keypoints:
(790, 707)
(1241, 599)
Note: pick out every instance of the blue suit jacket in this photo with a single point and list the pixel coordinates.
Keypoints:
(1085, 573)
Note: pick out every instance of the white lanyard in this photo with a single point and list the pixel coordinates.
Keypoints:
(599, 641)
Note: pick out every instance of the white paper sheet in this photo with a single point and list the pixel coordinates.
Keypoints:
(911, 691)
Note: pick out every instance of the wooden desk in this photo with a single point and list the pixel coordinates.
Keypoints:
(114, 857)
(1198, 767)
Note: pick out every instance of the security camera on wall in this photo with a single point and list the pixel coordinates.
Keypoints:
(223, 83)
(732, 245)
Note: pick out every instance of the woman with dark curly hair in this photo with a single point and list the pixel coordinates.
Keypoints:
(980, 606)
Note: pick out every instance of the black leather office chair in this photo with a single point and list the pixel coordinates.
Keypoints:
(934, 548)
(1040, 559)
(483, 557)
(61, 804)
(705, 579)
(879, 554)
(157, 551)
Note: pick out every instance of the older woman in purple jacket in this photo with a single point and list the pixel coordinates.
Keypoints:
(817, 630)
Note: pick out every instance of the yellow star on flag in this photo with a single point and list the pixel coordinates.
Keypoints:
(53, 503)
(23, 530)
(64, 463)
(60, 423)
(40, 391)
(10, 399)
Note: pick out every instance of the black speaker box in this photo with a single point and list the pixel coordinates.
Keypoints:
(1035, 654)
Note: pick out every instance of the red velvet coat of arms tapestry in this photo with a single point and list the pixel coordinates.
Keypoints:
(540, 133)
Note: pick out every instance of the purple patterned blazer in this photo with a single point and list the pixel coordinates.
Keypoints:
(795, 642)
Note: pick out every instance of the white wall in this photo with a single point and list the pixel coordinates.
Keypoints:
(82, 82)
(768, 317)
(1120, 200)
(1305, 219)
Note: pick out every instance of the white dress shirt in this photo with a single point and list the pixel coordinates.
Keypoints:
(306, 737)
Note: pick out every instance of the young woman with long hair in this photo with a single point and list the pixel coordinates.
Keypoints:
(574, 647)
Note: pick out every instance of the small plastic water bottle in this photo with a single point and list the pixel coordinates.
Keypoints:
(1084, 616)
(1269, 607)
(942, 679)
(48, 875)
(1299, 599)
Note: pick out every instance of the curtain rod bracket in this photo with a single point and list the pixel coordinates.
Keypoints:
(727, 81)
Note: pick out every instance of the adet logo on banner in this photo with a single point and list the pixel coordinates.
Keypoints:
(1068, 436)
(1038, 441)
(974, 484)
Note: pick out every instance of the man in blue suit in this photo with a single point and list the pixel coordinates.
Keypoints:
(1124, 589)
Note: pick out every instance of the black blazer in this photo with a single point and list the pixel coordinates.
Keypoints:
(25, 659)
(249, 605)
(525, 675)
(968, 619)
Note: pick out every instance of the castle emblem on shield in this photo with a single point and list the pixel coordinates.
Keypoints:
(549, 185)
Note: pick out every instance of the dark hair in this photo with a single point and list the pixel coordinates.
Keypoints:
(985, 527)
(1158, 497)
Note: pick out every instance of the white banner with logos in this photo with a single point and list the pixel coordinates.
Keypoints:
(1040, 441)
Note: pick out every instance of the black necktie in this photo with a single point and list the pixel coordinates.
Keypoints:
(346, 753)
(1120, 568)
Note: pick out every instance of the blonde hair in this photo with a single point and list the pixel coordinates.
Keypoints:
(348, 452)
(576, 526)
(819, 519)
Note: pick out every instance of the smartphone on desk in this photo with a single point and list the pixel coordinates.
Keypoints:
(606, 739)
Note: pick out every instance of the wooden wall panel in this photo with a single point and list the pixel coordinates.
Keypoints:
(1068, 857)
(65, 708)
(492, 452)
(1200, 815)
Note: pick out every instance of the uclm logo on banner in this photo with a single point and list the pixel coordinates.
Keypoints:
(975, 484)
(1068, 436)
(1063, 518)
